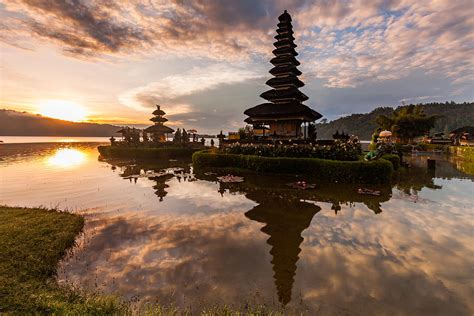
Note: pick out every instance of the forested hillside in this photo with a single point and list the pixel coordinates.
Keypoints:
(13, 123)
(452, 115)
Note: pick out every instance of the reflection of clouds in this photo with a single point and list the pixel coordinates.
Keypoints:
(402, 261)
(189, 256)
(417, 258)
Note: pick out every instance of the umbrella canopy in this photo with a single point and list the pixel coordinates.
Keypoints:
(385, 134)
(160, 129)
(192, 131)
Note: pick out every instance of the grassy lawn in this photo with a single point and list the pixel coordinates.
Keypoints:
(32, 241)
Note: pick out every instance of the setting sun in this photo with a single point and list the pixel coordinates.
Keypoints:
(63, 110)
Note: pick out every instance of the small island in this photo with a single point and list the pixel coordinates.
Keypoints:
(152, 142)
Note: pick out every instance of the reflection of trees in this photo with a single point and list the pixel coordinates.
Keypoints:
(284, 222)
(414, 179)
(256, 188)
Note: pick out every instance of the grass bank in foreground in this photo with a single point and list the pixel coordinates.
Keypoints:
(32, 242)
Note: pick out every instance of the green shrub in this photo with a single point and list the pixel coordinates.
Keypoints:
(331, 170)
(464, 152)
(145, 153)
(341, 150)
(394, 159)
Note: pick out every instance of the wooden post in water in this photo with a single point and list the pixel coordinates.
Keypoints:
(431, 164)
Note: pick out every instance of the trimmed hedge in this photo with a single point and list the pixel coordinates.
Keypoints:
(394, 159)
(464, 152)
(331, 170)
(145, 153)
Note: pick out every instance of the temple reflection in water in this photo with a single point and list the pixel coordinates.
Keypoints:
(284, 222)
(286, 212)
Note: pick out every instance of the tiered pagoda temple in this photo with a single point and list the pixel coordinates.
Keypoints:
(284, 113)
(158, 130)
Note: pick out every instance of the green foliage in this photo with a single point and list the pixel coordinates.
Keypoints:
(394, 159)
(407, 123)
(32, 241)
(331, 170)
(246, 132)
(451, 116)
(464, 152)
(177, 136)
(146, 153)
(341, 150)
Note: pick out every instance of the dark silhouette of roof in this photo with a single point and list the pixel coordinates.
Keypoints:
(291, 93)
(158, 111)
(158, 118)
(285, 69)
(159, 129)
(464, 129)
(284, 60)
(280, 110)
(285, 82)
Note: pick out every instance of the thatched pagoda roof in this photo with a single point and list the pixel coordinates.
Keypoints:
(285, 30)
(284, 42)
(284, 51)
(464, 129)
(282, 110)
(285, 69)
(284, 37)
(291, 93)
(285, 16)
(284, 60)
(159, 119)
(287, 81)
(159, 112)
(159, 129)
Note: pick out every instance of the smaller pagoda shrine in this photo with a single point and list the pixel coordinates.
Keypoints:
(158, 131)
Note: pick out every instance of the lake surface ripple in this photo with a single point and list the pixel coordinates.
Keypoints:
(161, 232)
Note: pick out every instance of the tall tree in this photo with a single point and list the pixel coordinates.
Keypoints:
(407, 123)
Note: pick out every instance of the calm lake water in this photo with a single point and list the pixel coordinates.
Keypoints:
(158, 233)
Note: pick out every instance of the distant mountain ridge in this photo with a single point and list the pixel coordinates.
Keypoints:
(14, 123)
(452, 115)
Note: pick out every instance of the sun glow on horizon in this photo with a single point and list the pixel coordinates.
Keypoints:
(63, 110)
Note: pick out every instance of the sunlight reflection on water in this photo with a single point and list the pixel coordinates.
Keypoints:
(67, 158)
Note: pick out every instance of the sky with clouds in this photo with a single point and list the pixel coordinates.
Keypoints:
(205, 62)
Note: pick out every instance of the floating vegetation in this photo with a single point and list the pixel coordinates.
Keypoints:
(366, 191)
(230, 179)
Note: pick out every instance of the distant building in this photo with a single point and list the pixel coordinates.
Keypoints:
(463, 136)
(285, 113)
